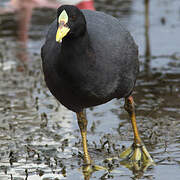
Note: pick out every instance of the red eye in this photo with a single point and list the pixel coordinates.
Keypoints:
(73, 18)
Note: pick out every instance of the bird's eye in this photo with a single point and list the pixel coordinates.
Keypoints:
(73, 18)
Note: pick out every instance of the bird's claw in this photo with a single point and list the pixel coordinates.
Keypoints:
(137, 156)
(92, 168)
(87, 170)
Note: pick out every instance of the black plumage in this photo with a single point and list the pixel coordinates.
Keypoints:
(96, 61)
(88, 59)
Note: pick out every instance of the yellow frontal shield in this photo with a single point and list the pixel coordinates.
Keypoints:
(63, 29)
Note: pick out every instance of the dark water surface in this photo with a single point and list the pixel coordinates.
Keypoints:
(40, 139)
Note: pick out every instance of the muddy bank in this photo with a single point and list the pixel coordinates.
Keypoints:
(40, 139)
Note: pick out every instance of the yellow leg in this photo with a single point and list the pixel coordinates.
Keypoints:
(88, 167)
(130, 108)
(82, 122)
(137, 152)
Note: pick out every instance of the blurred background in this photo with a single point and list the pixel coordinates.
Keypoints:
(40, 139)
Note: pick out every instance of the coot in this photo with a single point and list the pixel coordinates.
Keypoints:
(88, 59)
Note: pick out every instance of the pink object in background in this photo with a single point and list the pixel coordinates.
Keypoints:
(86, 4)
(24, 10)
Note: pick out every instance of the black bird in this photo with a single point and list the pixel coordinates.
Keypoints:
(88, 59)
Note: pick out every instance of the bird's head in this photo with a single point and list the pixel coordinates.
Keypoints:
(71, 22)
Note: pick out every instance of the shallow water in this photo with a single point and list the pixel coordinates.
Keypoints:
(40, 139)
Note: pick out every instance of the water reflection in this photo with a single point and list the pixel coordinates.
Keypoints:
(40, 139)
(23, 10)
(147, 40)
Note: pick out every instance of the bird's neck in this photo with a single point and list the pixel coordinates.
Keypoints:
(73, 48)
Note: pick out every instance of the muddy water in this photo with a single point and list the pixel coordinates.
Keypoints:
(39, 138)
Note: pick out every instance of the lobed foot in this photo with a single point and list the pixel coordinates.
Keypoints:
(89, 169)
(137, 156)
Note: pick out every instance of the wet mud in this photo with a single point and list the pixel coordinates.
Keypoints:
(40, 139)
